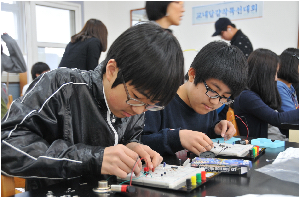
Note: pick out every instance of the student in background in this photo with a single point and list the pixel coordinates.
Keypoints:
(87, 124)
(84, 50)
(229, 32)
(288, 74)
(165, 13)
(190, 119)
(36, 70)
(257, 105)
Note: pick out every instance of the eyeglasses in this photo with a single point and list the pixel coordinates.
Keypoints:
(136, 103)
(212, 94)
(296, 56)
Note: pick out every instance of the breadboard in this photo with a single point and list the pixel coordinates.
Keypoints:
(170, 177)
(225, 149)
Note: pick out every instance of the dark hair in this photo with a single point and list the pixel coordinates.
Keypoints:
(232, 25)
(289, 65)
(224, 62)
(261, 77)
(92, 28)
(156, 9)
(151, 59)
(39, 68)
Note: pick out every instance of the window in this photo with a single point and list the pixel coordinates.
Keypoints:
(13, 25)
(53, 24)
(12, 12)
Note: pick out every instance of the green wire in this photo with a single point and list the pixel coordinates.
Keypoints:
(135, 178)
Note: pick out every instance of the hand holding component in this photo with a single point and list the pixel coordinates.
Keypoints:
(225, 129)
(119, 160)
(152, 158)
(195, 141)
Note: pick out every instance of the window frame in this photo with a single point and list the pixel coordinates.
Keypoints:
(32, 43)
(18, 10)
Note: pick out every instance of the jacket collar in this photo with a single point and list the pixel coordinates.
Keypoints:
(237, 34)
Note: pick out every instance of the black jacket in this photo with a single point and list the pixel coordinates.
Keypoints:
(242, 42)
(82, 55)
(59, 128)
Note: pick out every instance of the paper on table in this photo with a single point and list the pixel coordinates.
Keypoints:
(289, 153)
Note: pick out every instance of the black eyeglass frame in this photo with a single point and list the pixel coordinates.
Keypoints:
(229, 101)
(147, 106)
(296, 56)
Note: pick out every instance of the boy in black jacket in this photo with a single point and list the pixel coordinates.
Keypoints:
(73, 123)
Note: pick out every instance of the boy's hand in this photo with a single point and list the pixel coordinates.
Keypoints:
(195, 141)
(152, 158)
(119, 160)
(225, 129)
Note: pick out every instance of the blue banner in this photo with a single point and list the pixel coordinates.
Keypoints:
(232, 10)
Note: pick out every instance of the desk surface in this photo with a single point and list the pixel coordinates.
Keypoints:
(223, 185)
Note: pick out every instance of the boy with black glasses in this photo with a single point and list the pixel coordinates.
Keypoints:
(218, 72)
(73, 123)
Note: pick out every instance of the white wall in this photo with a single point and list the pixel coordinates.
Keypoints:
(276, 30)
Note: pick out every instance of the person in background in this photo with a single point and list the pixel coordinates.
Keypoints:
(259, 105)
(36, 70)
(190, 119)
(14, 63)
(165, 13)
(229, 32)
(84, 50)
(288, 74)
(87, 124)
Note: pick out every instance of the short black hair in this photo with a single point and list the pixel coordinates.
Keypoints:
(39, 68)
(289, 62)
(151, 59)
(261, 78)
(156, 9)
(224, 62)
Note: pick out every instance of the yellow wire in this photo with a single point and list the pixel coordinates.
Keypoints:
(190, 50)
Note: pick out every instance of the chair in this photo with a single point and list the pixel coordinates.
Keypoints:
(10, 100)
(231, 118)
(23, 81)
(9, 185)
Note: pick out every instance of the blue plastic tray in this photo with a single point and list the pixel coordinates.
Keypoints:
(264, 142)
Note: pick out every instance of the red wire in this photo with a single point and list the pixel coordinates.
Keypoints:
(134, 168)
(245, 125)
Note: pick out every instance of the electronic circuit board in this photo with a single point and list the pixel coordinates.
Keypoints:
(225, 149)
(169, 177)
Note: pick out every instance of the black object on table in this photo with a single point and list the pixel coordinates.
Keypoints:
(223, 185)
(289, 126)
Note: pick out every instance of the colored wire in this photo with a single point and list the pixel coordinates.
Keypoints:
(190, 50)
(135, 166)
(109, 177)
(135, 178)
(243, 123)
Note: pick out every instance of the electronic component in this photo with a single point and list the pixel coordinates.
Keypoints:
(102, 187)
(207, 154)
(169, 177)
(122, 188)
(225, 149)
